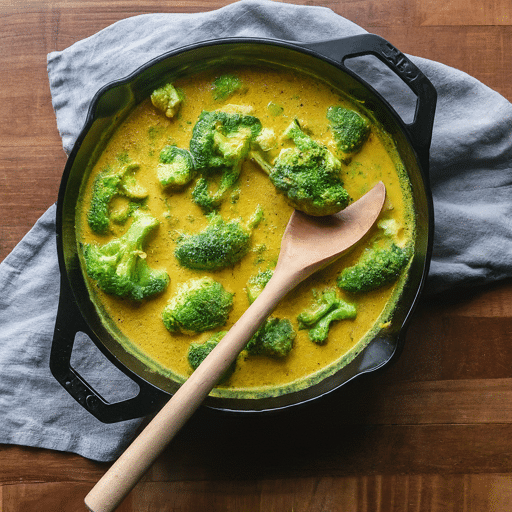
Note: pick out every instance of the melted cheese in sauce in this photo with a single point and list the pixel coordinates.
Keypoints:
(277, 98)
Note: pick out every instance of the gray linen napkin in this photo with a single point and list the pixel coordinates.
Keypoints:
(35, 409)
(471, 172)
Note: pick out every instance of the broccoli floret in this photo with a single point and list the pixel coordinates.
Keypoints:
(198, 305)
(256, 284)
(222, 139)
(326, 308)
(108, 184)
(210, 201)
(176, 167)
(263, 149)
(167, 99)
(350, 129)
(324, 303)
(220, 245)
(219, 145)
(225, 86)
(308, 174)
(197, 353)
(390, 227)
(274, 339)
(120, 267)
(377, 267)
(320, 331)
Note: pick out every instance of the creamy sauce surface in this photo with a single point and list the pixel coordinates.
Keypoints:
(276, 97)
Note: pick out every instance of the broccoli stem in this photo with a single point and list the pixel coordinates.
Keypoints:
(328, 300)
(262, 163)
(319, 333)
(135, 239)
(326, 309)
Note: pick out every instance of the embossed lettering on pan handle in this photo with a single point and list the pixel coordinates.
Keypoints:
(68, 323)
(339, 50)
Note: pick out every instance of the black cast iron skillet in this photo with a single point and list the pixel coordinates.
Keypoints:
(327, 59)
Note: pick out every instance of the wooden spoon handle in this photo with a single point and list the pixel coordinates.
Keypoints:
(306, 246)
(122, 476)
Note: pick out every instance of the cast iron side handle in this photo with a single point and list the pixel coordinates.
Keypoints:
(420, 130)
(68, 323)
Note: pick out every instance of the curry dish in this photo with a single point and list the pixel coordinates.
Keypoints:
(277, 98)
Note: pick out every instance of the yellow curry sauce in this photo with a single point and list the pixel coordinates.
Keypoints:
(277, 97)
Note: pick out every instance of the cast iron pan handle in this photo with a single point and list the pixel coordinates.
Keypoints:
(420, 130)
(68, 323)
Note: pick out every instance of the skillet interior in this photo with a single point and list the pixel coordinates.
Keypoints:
(109, 109)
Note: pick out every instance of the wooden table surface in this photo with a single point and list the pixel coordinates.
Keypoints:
(432, 433)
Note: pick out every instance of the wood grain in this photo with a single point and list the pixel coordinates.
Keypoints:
(431, 433)
(472, 12)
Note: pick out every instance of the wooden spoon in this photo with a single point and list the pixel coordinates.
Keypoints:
(308, 244)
